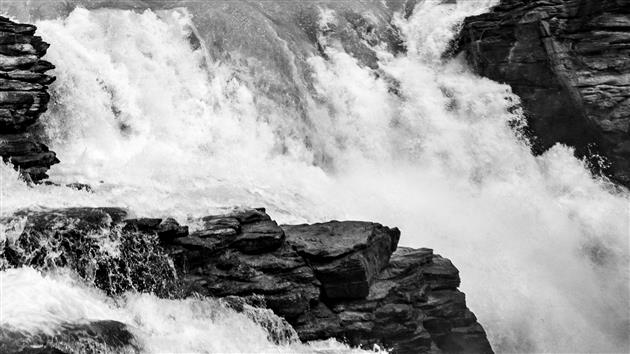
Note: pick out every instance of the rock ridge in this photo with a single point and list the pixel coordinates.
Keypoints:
(23, 98)
(341, 279)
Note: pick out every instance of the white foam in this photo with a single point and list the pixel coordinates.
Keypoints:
(34, 303)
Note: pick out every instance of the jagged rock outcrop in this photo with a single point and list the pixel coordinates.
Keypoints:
(568, 61)
(23, 98)
(345, 280)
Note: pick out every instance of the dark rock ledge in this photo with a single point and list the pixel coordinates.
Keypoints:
(23, 98)
(345, 280)
(569, 62)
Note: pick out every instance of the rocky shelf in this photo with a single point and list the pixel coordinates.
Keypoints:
(346, 280)
(23, 98)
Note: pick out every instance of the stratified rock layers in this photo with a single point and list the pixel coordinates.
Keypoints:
(345, 280)
(23, 98)
(568, 61)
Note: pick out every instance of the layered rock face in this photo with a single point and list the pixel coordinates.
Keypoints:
(23, 98)
(345, 280)
(568, 61)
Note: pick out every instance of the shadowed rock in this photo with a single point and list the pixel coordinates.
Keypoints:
(95, 242)
(346, 256)
(23, 98)
(343, 280)
(568, 61)
(336, 280)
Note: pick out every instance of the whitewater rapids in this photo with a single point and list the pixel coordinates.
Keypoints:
(167, 128)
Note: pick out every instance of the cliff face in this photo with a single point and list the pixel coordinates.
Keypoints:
(23, 98)
(568, 61)
(344, 280)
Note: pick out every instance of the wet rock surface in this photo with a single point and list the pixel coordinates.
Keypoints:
(95, 242)
(23, 98)
(568, 61)
(346, 256)
(345, 280)
(413, 306)
(91, 337)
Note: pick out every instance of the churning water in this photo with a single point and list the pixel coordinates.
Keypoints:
(169, 127)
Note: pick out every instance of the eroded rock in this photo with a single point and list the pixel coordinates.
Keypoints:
(337, 280)
(343, 280)
(346, 256)
(23, 98)
(568, 61)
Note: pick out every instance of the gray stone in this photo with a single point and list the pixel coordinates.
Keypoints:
(345, 255)
(23, 98)
(568, 61)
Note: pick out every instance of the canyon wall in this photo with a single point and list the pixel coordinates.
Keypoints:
(568, 61)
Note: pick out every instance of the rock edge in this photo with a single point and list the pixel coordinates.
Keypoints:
(341, 279)
(23, 98)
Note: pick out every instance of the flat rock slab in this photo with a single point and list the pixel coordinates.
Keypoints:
(346, 255)
(250, 231)
(79, 219)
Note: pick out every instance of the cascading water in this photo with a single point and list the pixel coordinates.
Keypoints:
(166, 128)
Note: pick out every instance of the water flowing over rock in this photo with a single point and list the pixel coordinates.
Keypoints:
(568, 61)
(23, 98)
(317, 110)
(344, 280)
(92, 337)
(93, 242)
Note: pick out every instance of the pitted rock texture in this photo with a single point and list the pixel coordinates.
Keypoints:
(345, 280)
(568, 61)
(23, 98)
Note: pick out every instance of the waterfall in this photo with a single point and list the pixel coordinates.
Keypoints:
(165, 127)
